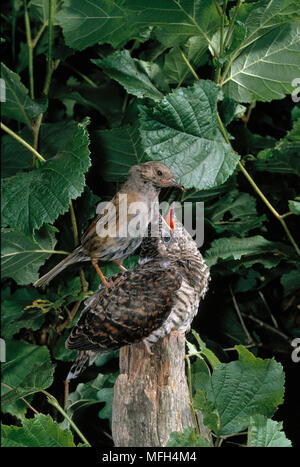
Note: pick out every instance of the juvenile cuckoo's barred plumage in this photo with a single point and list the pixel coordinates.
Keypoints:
(160, 295)
(195, 277)
(142, 186)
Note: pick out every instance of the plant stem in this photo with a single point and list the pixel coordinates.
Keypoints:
(231, 24)
(39, 34)
(30, 51)
(222, 45)
(54, 402)
(36, 131)
(22, 141)
(188, 64)
(50, 63)
(260, 193)
(22, 398)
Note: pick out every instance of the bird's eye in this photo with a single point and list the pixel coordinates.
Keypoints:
(159, 172)
(166, 239)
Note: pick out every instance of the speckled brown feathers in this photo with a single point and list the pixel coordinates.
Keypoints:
(135, 304)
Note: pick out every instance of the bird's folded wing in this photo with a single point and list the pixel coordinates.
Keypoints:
(128, 311)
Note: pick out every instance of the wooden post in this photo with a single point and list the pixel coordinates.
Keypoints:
(151, 397)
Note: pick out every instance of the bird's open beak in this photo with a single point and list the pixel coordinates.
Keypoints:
(172, 182)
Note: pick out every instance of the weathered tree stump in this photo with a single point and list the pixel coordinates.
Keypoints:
(151, 397)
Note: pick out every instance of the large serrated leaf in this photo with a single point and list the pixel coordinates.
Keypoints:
(122, 149)
(40, 431)
(182, 131)
(266, 433)
(243, 388)
(22, 256)
(129, 73)
(17, 104)
(175, 20)
(33, 198)
(264, 70)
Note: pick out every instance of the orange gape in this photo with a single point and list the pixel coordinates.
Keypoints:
(170, 220)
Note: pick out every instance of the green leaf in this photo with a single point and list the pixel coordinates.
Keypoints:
(122, 149)
(18, 104)
(87, 22)
(93, 392)
(106, 395)
(200, 374)
(265, 69)
(243, 388)
(182, 131)
(41, 377)
(33, 198)
(266, 433)
(294, 206)
(187, 438)
(236, 213)
(262, 16)
(176, 21)
(40, 431)
(22, 256)
(130, 73)
(236, 248)
(175, 67)
(14, 317)
(21, 377)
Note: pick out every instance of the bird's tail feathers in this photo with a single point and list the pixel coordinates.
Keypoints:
(72, 258)
(84, 359)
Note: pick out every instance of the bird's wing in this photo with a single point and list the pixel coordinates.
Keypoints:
(130, 309)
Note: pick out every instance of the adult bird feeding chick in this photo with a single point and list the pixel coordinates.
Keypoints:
(160, 295)
(98, 244)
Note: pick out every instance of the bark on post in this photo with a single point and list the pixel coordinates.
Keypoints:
(151, 397)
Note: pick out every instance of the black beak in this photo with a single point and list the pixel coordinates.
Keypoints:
(172, 182)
